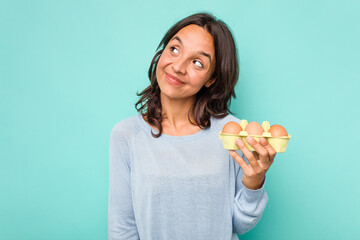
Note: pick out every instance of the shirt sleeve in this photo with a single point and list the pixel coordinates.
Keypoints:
(121, 218)
(248, 204)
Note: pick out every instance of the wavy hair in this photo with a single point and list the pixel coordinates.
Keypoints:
(209, 101)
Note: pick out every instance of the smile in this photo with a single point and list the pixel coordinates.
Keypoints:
(173, 80)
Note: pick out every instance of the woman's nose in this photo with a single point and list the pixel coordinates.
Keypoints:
(179, 66)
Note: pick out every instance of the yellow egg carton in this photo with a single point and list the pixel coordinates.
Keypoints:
(278, 143)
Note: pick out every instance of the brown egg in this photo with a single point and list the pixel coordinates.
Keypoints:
(277, 131)
(254, 128)
(232, 128)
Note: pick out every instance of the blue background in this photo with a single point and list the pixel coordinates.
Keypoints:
(70, 70)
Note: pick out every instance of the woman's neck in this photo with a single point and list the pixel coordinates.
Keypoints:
(176, 116)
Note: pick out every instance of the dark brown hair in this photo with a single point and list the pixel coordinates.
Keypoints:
(212, 101)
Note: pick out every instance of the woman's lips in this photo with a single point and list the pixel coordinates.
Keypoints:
(173, 80)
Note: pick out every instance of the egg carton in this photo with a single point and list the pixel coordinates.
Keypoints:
(278, 143)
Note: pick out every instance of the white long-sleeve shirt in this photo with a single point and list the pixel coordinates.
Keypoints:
(177, 187)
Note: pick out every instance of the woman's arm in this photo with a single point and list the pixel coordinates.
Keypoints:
(248, 204)
(251, 198)
(121, 219)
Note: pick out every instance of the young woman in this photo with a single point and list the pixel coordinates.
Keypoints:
(170, 177)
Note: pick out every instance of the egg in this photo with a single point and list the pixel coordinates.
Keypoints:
(232, 128)
(277, 131)
(254, 128)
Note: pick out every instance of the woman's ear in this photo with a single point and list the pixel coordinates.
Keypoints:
(210, 82)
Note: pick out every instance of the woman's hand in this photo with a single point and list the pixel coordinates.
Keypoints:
(260, 161)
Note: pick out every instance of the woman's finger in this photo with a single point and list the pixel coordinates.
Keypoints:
(269, 148)
(261, 150)
(248, 154)
(239, 160)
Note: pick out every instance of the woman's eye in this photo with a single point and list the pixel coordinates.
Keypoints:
(174, 50)
(198, 63)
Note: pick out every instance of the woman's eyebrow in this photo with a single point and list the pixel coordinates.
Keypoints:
(199, 52)
(205, 54)
(177, 38)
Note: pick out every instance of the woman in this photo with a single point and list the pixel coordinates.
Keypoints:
(170, 177)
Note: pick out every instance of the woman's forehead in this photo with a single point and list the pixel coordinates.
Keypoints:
(194, 36)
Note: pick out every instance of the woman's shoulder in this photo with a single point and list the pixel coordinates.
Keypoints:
(127, 127)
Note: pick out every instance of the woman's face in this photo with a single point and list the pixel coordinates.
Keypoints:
(187, 63)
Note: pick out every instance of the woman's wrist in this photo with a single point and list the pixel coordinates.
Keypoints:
(253, 184)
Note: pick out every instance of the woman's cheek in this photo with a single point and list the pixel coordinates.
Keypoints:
(163, 61)
(160, 65)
